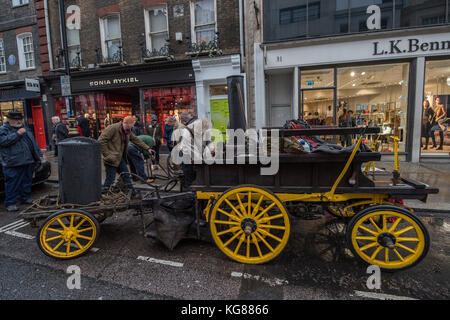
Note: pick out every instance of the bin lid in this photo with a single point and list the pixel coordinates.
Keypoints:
(79, 141)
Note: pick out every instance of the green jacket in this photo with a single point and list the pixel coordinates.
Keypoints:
(148, 141)
(113, 148)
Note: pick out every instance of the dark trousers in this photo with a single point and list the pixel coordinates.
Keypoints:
(441, 135)
(189, 175)
(18, 182)
(136, 162)
(111, 175)
(156, 149)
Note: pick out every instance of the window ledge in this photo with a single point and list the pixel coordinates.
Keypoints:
(29, 69)
(21, 5)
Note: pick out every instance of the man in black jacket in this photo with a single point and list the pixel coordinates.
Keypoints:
(60, 132)
(19, 154)
(84, 125)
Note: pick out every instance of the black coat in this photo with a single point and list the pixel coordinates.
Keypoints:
(18, 150)
(61, 132)
(84, 125)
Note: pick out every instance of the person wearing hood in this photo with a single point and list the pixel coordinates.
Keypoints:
(19, 153)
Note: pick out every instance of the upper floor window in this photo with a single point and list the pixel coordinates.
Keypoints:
(2, 57)
(156, 27)
(204, 20)
(298, 13)
(73, 46)
(111, 36)
(26, 51)
(17, 3)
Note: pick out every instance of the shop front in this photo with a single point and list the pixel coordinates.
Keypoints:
(381, 82)
(17, 96)
(107, 96)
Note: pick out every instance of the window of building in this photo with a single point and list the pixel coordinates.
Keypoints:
(435, 133)
(2, 57)
(26, 51)
(298, 13)
(73, 45)
(204, 20)
(111, 36)
(17, 3)
(157, 28)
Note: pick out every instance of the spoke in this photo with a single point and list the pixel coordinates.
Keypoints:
(386, 255)
(53, 238)
(233, 229)
(407, 239)
(264, 220)
(255, 241)
(366, 238)
(403, 230)
(71, 220)
(87, 229)
(83, 237)
(61, 223)
(370, 245)
(58, 245)
(77, 243)
(232, 238)
(78, 225)
(68, 246)
(368, 230)
(264, 232)
(227, 222)
(392, 228)
(265, 242)
(269, 226)
(55, 230)
(255, 210)
(234, 208)
(265, 210)
(239, 244)
(376, 226)
(398, 255)
(376, 252)
(249, 204)
(229, 215)
(240, 204)
(384, 223)
(405, 247)
(248, 247)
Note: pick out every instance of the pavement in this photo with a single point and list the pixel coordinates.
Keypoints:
(315, 265)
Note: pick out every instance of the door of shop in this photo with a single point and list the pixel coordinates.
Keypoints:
(39, 127)
(317, 106)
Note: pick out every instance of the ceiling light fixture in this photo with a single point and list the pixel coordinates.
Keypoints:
(352, 73)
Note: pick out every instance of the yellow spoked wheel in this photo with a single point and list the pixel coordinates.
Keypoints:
(387, 236)
(249, 224)
(68, 234)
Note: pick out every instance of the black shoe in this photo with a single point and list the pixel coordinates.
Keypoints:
(440, 148)
(12, 208)
(28, 201)
(426, 148)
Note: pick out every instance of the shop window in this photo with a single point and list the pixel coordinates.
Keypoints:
(157, 28)
(73, 45)
(2, 57)
(169, 101)
(435, 122)
(26, 51)
(204, 20)
(376, 95)
(7, 106)
(17, 3)
(111, 37)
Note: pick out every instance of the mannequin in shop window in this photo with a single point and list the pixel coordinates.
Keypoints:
(346, 140)
(427, 117)
(439, 116)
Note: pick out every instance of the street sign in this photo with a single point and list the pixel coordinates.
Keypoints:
(32, 85)
(65, 86)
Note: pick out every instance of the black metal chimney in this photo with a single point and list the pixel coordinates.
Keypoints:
(236, 103)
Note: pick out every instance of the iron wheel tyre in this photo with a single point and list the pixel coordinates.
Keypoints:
(391, 232)
(69, 240)
(249, 224)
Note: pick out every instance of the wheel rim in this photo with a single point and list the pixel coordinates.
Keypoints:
(68, 235)
(250, 225)
(389, 239)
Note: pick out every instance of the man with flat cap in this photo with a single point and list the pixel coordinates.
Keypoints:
(19, 153)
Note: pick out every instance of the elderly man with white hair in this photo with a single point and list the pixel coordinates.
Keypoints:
(60, 132)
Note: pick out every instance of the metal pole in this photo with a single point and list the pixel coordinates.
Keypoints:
(62, 18)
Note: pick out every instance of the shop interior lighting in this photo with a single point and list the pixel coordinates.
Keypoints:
(352, 73)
